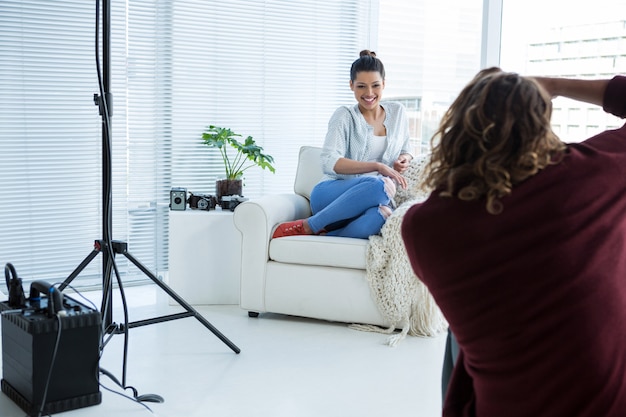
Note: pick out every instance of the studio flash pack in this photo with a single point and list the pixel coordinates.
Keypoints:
(50, 349)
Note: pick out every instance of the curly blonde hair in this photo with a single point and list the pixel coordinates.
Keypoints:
(496, 134)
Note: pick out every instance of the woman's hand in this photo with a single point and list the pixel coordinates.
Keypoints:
(402, 163)
(350, 167)
(393, 174)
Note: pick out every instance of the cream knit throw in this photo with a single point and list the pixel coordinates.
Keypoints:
(403, 300)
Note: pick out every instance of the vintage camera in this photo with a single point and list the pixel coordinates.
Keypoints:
(230, 202)
(178, 198)
(202, 201)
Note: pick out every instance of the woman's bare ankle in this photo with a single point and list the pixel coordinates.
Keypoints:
(306, 226)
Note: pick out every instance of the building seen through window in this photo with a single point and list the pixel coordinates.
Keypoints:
(596, 50)
(576, 42)
(432, 49)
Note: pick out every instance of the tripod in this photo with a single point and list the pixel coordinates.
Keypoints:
(107, 246)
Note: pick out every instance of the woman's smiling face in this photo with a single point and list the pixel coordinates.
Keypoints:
(368, 89)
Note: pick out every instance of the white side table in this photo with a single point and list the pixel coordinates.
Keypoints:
(204, 256)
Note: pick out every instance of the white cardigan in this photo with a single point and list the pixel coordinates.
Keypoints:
(349, 136)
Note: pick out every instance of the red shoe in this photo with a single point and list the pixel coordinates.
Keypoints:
(294, 228)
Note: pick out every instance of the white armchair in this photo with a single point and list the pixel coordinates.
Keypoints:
(321, 277)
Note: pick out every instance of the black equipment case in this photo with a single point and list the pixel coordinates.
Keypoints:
(28, 339)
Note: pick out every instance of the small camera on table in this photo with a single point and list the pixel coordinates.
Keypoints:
(230, 202)
(178, 198)
(202, 201)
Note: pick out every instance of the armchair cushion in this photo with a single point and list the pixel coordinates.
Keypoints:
(331, 251)
(309, 171)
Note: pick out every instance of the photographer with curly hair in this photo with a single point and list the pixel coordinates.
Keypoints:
(522, 244)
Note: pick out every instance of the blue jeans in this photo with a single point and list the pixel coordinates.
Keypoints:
(349, 208)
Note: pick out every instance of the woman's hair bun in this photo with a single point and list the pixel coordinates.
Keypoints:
(366, 61)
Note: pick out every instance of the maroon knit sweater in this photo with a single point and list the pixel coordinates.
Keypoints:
(536, 295)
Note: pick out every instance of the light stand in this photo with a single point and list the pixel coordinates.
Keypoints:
(109, 247)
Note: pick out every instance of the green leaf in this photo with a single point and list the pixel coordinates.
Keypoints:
(219, 137)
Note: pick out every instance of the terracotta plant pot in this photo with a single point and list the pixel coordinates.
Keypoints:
(228, 187)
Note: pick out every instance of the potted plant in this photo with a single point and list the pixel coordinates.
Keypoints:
(246, 155)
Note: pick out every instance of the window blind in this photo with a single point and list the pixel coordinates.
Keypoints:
(274, 70)
(50, 137)
(430, 50)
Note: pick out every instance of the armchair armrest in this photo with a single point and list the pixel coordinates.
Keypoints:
(256, 219)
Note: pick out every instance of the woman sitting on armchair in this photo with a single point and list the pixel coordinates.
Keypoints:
(364, 156)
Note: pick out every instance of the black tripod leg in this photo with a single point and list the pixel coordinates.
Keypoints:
(192, 311)
(107, 292)
(79, 269)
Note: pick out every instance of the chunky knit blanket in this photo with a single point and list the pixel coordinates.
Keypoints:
(403, 300)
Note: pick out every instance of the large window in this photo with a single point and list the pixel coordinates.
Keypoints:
(430, 49)
(567, 39)
(49, 137)
(271, 69)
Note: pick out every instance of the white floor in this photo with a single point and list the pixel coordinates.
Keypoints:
(291, 367)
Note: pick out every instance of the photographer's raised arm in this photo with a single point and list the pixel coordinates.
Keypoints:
(589, 91)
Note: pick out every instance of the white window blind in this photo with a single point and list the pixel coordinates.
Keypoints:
(274, 70)
(49, 137)
(430, 49)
